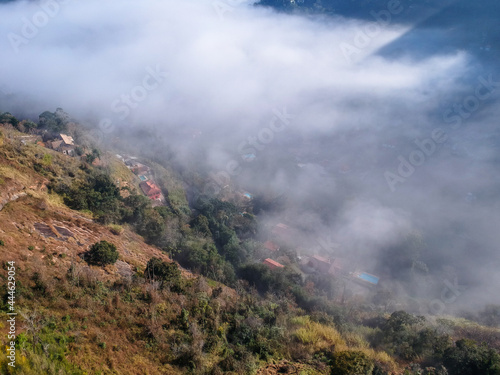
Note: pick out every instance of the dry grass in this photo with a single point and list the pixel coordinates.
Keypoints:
(115, 229)
(316, 337)
(7, 171)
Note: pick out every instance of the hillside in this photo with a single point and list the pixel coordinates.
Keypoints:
(145, 314)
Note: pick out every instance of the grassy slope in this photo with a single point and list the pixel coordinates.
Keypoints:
(52, 256)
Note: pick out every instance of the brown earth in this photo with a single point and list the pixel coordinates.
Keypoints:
(64, 236)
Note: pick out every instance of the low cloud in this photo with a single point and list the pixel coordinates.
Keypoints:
(170, 65)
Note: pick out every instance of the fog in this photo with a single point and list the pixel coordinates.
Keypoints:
(355, 123)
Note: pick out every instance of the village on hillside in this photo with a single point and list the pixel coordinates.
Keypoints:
(65, 144)
(331, 265)
(148, 185)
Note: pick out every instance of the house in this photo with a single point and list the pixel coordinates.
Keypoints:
(320, 264)
(63, 143)
(271, 246)
(336, 267)
(151, 190)
(272, 264)
(305, 264)
(324, 265)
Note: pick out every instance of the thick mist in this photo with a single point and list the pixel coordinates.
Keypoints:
(361, 142)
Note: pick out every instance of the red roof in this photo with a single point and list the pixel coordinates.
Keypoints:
(269, 245)
(150, 189)
(272, 264)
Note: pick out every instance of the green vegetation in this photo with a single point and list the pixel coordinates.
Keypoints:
(410, 338)
(263, 279)
(54, 122)
(43, 347)
(102, 253)
(469, 358)
(47, 160)
(115, 229)
(351, 363)
(8, 118)
(168, 274)
(97, 194)
(95, 154)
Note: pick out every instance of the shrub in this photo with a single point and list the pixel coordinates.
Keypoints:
(468, 358)
(47, 159)
(102, 253)
(351, 363)
(2, 243)
(115, 229)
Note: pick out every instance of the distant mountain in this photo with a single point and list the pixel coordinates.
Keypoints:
(463, 25)
(438, 27)
(361, 9)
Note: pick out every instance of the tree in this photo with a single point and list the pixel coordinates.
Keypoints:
(258, 275)
(8, 118)
(29, 125)
(201, 225)
(102, 253)
(151, 225)
(53, 122)
(165, 272)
